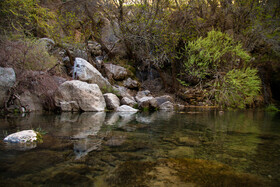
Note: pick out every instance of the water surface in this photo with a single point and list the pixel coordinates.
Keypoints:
(197, 148)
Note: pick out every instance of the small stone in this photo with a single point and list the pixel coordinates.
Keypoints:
(125, 108)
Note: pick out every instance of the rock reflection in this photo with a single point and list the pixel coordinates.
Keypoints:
(126, 117)
(20, 146)
(83, 129)
(112, 118)
(145, 117)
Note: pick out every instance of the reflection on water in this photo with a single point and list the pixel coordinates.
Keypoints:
(202, 148)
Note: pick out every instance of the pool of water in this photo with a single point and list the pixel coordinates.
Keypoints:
(195, 148)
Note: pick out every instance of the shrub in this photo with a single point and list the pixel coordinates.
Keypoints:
(25, 54)
(24, 16)
(215, 53)
(237, 88)
(272, 108)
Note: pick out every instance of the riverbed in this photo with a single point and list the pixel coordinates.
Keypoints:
(191, 148)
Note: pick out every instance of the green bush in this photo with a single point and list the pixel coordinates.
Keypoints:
(215, 53)
(238, 88)
(24, 16)
(272, 108)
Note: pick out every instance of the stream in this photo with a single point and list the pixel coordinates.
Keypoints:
(192, 148)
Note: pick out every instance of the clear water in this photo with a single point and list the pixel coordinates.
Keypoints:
(198, 148)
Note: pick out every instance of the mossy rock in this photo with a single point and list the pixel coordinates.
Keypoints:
(182, 152)
(189, 141)
(209, 173)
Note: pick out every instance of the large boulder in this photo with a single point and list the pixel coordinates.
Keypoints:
(86, 72)
(125, 108)
(112, 101)
(26, 136)
(116, 72)
(132, 84)
(77, 95)
(7, 80)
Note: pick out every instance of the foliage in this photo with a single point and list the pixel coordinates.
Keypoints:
(26, 54)
(24, 16)
(272, 108)
(215, 53)
(238, 88)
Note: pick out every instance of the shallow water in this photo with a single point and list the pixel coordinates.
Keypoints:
(197, 148)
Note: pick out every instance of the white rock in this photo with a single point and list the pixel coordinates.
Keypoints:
(125, 108)
(73, 94)
(25, 136)
(86, 72)
(112, 101)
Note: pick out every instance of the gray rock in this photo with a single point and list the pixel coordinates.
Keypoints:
(166, 106)
(26, 136)
(127, 101)
(132, 84)
(95, 48)
(124, 92)
(7, 80)
(163, 99)
(99, 61)
(142, 94)
(117, 72)
(112, 101)
(86, 72)
(125, 108)
(87, 96)
(147, 102)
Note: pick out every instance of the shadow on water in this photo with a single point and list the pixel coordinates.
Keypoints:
(201, 148)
